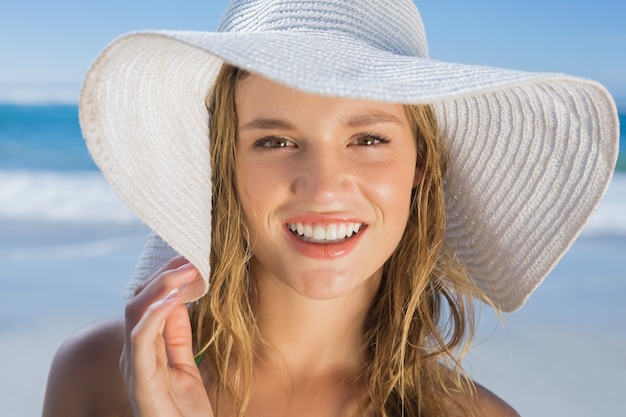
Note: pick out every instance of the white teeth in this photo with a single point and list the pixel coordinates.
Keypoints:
(331, 232)
(328, 233)
(319, 233)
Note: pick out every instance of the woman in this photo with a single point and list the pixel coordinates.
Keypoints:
(350, 226)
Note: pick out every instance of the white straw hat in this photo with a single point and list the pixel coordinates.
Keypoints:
(531, 153)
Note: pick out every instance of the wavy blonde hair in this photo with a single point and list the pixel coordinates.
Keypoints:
(420, 323)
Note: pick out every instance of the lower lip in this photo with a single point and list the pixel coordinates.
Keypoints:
(324, 251)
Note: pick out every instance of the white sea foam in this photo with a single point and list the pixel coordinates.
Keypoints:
(610, 218)
(86, 197)
(82, 196)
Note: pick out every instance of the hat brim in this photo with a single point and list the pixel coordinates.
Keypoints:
(531, 154)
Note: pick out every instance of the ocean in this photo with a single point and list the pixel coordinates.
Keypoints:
(68, 245)
(46, 173)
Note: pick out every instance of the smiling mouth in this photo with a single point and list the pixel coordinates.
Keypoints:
(324, 234)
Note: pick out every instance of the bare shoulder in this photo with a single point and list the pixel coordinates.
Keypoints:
(492, 405)
(85, 378)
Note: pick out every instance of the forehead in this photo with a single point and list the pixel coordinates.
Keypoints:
(256, 96)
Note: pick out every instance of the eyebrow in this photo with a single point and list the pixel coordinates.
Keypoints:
(359, 120)
(267, 124)
(368, 119)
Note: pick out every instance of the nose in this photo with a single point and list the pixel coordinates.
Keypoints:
(323, 175)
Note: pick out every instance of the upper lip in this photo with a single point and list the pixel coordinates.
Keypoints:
(324, 220)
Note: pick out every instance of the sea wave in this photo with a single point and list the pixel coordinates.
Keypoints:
(77, 197)
(610, 217)
(85, 196)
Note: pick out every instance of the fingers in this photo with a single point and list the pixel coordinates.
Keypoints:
(145, 364)
(146, 337)
(157, 359)
(173, 263)
(175, 274)
(141, 348)
(178, 339)
(151, 302)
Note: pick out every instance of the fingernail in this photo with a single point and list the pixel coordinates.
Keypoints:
(185, 266)
(171, 295)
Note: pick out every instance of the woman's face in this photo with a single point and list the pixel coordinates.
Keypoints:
(325, 186)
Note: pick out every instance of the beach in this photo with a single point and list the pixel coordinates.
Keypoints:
(75, 277)
(68, 246)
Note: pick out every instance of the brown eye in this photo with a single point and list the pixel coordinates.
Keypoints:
(370, 140)
(274, 142)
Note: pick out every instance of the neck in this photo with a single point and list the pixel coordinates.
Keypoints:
(312, 337)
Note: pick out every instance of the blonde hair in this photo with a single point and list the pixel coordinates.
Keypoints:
(419, 325)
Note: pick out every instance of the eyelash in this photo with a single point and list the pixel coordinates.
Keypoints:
(266, 141)
(286, 143)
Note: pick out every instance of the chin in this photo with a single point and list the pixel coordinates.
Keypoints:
(332, 285)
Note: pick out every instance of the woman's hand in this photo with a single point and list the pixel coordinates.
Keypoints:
(157, 361)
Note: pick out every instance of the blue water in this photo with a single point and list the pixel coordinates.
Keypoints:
(42, 138)
(46, 172)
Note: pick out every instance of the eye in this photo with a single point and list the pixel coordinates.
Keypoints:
(273, 142)
(370, 140)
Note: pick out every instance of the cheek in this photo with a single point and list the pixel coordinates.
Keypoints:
(258, 188)
(248, 186)
(392, 185)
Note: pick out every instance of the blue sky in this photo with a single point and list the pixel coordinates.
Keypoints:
(46, 46)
